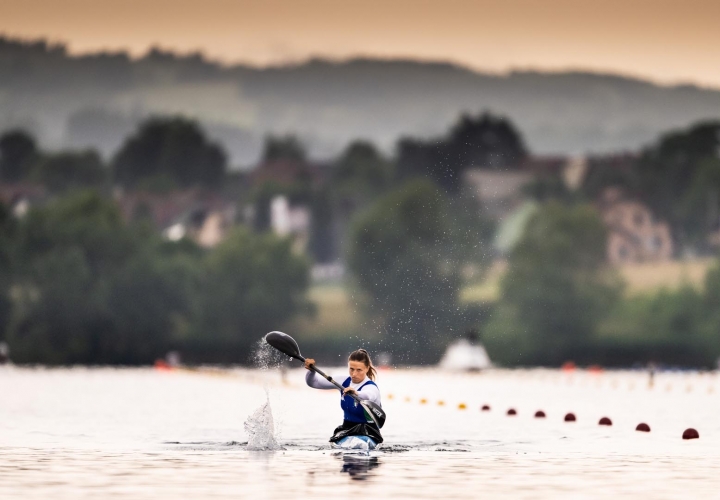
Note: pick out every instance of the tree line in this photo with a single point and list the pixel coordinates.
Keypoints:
(83, 286)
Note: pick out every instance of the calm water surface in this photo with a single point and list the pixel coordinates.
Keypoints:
(141, 433)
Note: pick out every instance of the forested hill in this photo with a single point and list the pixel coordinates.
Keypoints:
(96, 100)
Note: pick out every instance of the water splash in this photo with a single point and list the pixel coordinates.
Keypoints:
(260, 428)
(266, 357)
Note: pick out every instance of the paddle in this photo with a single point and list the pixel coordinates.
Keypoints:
(287, 345)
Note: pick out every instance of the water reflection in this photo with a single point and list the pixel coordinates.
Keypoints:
(359, 467)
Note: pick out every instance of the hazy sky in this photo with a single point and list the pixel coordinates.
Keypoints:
(664, 40)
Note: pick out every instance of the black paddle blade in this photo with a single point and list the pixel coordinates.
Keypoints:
(375, 413)
(285, 344)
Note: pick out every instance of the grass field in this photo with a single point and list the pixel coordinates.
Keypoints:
(639, 278)
(338, 311)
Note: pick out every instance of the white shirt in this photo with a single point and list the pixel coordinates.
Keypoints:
(369, 393)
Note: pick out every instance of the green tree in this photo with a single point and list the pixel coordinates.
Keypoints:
(252, 284)
(557, 288)
(18, 153)
(666, 327)
(667, 169)
(286, 147)
(406, 252)
(699, 210)
(172, 148)
(362, 170)
(70, 170)
(7, 233)
(711, 308)
(90, 289)
(484, 141)
(322, 234)
(150, 304)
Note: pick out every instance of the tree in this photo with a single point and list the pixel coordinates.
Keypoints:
(66, 252)
(484, 141)
(322, 237)
(18, 153)
(70, 170)
(556, 290)
(172, 148)
(286, 147)
(698, 211)
(89, 289)
(406, 252)
(251, 284)
(361, 169)
(150, 304)
(667, 169)
(7, 237)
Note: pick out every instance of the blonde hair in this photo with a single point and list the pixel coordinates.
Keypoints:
(363, 356)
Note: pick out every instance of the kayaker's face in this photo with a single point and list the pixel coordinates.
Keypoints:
(358, 370)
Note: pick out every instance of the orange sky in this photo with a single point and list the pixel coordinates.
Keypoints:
(664, 40)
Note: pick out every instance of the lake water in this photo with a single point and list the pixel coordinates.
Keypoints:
(142, 433)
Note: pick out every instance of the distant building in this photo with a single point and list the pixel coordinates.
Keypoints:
(500, 192)
(19, 197)
(634, 235)
(200, 215)
(289, 171)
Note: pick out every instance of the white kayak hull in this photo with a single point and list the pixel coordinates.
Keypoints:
(356, 443)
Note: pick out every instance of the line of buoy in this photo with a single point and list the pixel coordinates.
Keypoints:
(690, 434)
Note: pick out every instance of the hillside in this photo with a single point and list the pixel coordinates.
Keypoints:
(96, 100)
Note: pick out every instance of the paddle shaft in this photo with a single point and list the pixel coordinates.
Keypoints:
(330, 379)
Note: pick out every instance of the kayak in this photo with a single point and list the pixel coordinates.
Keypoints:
(358, 443)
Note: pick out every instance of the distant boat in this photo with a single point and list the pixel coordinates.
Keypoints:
(464, 355)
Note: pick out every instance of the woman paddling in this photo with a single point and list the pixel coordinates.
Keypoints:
(361, 383)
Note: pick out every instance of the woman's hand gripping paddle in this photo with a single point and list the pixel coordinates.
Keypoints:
(287, 345)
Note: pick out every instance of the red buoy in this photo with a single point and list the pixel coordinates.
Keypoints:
(161, 364)
(642, 428)
(511, 411)
(605, 421)
(570, 417)
(691, 434)
(539, 414)
(568, 366)
(485, 408)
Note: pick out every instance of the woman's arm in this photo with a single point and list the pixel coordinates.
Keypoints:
(370, 393)
(317, 382)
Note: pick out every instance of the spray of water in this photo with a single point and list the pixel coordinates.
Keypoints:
(260, 428)
(266, 357)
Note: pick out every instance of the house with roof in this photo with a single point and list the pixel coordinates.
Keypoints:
(634, 233)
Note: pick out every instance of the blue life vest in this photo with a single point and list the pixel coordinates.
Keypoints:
(353, 411)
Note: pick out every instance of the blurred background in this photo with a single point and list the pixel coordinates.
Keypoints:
(534, 181)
